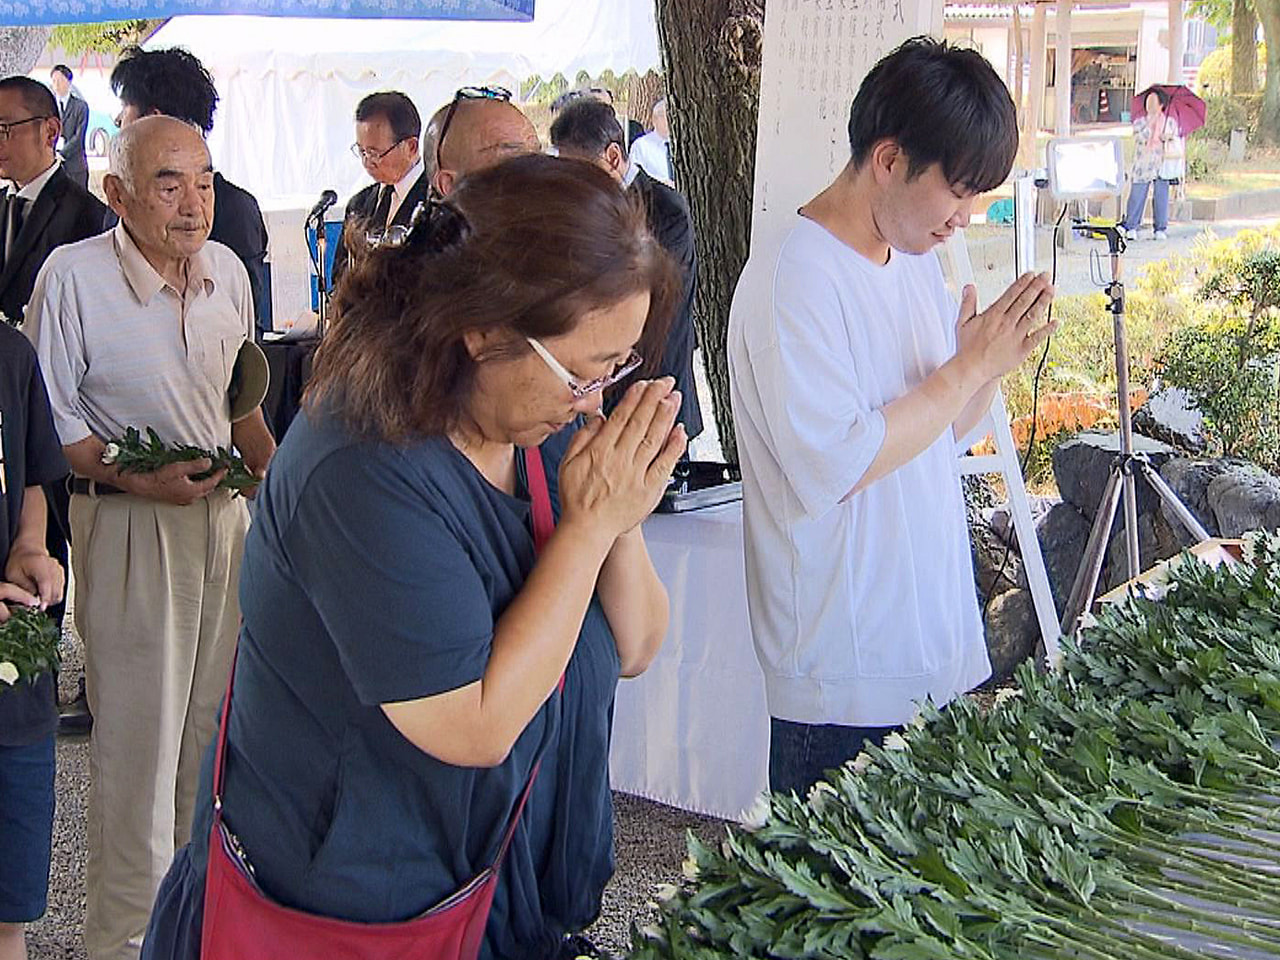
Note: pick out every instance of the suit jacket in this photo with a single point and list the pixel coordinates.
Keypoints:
(668, 216)
(63, 213)
(238, 224)
(362, 206)
(75, 128)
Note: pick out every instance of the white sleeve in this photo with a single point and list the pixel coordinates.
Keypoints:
(821, 427)
(53, 326)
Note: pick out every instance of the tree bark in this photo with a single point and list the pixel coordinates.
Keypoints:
(1269, 126)
(1244, 55)
(711, 54)
(20, 48)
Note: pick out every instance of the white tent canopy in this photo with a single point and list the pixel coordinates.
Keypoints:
(289, 87)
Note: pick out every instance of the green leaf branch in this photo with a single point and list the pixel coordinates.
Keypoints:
(28, 646)
(134, 453)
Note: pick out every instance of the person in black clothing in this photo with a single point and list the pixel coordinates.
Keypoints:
(31, 455)
(388, 134)
(74, 114)
(588, 129)
(173, 82)
(44, 208)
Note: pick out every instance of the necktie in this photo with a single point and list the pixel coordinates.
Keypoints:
(16, 210)
(383, 210)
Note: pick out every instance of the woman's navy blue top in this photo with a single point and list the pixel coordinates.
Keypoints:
(372, 574)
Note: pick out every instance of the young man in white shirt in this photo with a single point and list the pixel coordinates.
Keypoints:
(853, 375)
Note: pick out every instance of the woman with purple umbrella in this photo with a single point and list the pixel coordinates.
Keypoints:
(1159, 159)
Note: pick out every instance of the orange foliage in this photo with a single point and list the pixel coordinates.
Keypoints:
(1069, 412)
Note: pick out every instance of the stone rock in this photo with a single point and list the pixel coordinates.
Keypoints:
(1244, 498)
(1063, 533)
(1012, 632)
(1190, 479)
(1082, 466)
(1156, 541)
(990, 554)
(1169, 416)
(1001, 520)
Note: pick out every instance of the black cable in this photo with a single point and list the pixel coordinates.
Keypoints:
(1035, 411)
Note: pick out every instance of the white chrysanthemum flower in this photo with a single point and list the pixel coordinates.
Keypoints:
(756, 815)
(689, 868)
(111, 454)
(917, 722)
(665, 892)
(895, 741)
(819, 793)
(1005, 694)
(8, 673)
(1087, 621)
(861, 763)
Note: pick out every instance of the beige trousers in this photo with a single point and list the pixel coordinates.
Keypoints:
(156, 605)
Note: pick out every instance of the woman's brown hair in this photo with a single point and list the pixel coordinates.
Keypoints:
(526, 248)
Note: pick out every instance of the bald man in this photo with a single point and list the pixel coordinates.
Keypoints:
(162, 313)
(481, 132)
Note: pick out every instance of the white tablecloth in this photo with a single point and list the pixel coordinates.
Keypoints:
(693, 730)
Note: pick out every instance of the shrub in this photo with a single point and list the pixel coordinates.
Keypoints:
(1205, 159)
(1222, 115)
(1229, 362)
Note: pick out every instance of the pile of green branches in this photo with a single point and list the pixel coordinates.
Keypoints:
(1123, 807)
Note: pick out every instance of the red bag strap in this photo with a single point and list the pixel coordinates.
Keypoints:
(544, 519)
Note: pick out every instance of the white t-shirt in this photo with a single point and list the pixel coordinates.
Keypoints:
(859, 609)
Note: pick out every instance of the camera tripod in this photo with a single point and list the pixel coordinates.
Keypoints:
(1126, 466)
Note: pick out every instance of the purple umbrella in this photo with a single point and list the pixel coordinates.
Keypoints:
(1184, 106)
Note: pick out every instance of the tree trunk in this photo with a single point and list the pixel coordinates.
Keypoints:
(1244, 54)
(1269, 126)
(711, 54)
(20, 48)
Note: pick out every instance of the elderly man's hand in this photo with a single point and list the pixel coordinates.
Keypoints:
(173, 483)
(37, 573)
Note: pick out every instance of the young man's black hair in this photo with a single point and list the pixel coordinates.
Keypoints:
(63, 69)
(943, 104)
(587, 126)
(172, 82)
(394, 107)
(36, 97)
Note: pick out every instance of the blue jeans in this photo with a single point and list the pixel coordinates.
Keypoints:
(26, 829)
(1138, 200)
(800, 754)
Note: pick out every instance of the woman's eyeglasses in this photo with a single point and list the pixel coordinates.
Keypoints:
(579, 388)
(466, 93)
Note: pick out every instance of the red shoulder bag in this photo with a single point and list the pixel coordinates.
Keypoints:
(242, 923)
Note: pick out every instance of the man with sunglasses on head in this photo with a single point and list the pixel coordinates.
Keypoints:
(474, 131)
(388, 129)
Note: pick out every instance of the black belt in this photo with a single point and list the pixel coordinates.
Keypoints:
(92, 488)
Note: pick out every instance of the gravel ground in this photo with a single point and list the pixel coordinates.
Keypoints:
(650, 840)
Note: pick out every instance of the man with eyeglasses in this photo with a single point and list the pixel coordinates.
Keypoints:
(479, 128)
(588, 129)
(175, 83)
(43, 208)
(388, 128)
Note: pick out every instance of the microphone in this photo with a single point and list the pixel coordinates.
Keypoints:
(327, 200)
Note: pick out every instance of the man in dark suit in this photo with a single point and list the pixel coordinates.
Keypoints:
(388, 134)
(589, 130)
(44, 208)
(74, 114)
(174, 83)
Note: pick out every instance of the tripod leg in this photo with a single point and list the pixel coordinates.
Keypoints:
(1086, 583)
(1165, 492)
(1132, 557)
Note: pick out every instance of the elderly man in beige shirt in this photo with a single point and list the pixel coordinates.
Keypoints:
(141, 327)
